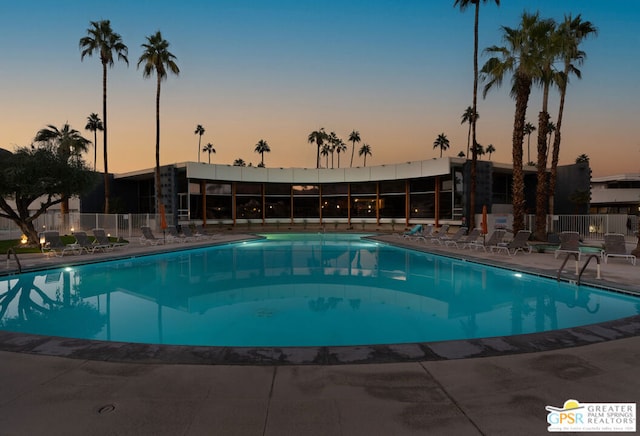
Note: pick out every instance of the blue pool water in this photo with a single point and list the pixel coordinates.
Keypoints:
(296, 290)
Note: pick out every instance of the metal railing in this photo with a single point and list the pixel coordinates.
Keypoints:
(117, 225)
(590, 227)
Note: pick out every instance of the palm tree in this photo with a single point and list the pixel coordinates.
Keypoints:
(326, 149)
(101, 39)
(463, 4)
(490, 150)
(209, 149)
(239, 163)
(318, 137)
(467, 117)
(583, 158)
(461, 154)
(520, 56)
(364, 151)
(262, 147)
(546, 42)
(157, 59)
(571, 32)
(69, 144)
(94, 123)
(341, 147)
(199, 131)
(479, 150)
(528, 130)
(441, 142)
(354, 137)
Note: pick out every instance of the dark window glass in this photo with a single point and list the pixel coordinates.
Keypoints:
(306, 207)
(363, 207)
(334, 207)
(249, 188)
(363, 188)
(335, 189)
(392, 206)
(218, 207)
(392, 187)
(446, 207)
(422, 206)
(277, 189)
(248, 207)
(277, 207)
(423, 185)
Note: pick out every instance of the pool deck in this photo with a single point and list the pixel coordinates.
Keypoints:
(483, 387)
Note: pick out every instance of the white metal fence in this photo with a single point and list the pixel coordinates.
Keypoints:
(591, 227)
(117, 225)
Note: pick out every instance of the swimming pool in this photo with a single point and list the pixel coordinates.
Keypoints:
(296, 290)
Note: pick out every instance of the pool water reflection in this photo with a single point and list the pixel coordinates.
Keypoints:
(296, 291)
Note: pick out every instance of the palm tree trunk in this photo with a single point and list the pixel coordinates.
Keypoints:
(199, 144)
(353, 149)
(95, 148)
(474, 150)
(523, 89)
(107, 191)
(468, 140)
(262, 158)
(555, 155)
(541, 188)
(158, 184)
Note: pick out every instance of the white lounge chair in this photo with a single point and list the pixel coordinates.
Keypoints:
(520, 242)
(54, 245)
(148, 237)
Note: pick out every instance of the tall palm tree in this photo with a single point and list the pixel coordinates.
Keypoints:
(326, 149)
(441, 142)
(341, 147)
(101, 39)
(262, 147)
(157, 59)
(364, 151)
(318, 137)
(519, 56)
(490, 150)
(354, 137)
(479, 149)
(528, 130)
(333, 145)
(69, 144)
(463, 5)
(571, 32)
(467, 117)
(199, 131)
(209, 149)
(94, 123)
(546, 42)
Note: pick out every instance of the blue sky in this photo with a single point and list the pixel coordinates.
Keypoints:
(399, 72)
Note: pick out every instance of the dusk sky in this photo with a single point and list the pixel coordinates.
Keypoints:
(399, 72)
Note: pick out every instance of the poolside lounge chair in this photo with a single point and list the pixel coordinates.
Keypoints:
(569, 243)
(615, 246)
(103, 239)
(520, 242)
(453, 239)
(186, 231)
(427, 232)
(493, 241)
(440, 234)
(174, 236)
(415, 230)
(54, 245)
(148, 237)
(82, 240)
(468, 239)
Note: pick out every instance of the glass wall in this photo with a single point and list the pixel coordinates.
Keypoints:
(392, 200)
(363, 200)
(422, 198)
(249, 201)
(335, 200)
(306, 201)
(277, 200)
